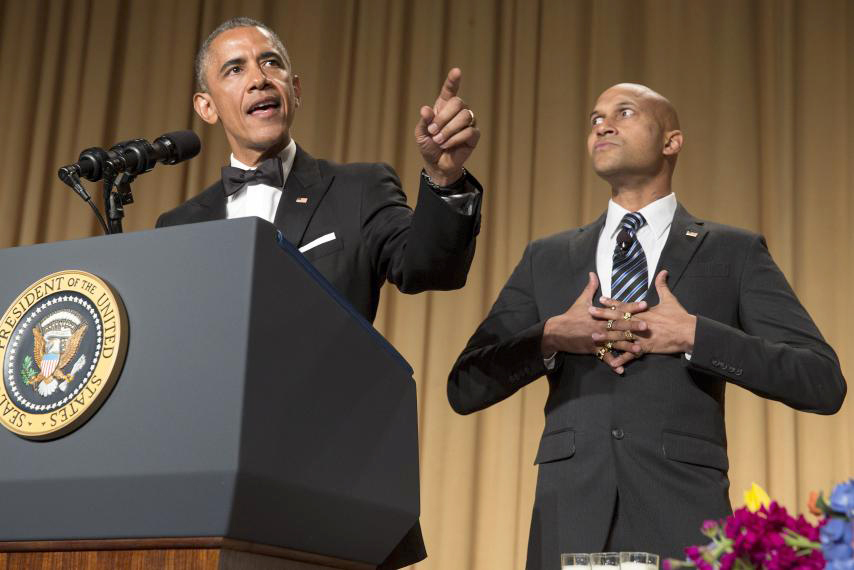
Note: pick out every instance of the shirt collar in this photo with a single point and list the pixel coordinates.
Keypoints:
(658, 215)
(287, 155)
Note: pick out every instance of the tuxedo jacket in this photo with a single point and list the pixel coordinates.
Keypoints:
(373, 235)
(653, 438)
(367, 234)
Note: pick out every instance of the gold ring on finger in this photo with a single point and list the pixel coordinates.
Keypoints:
(600, 354)
(610, 324)
(627, 316)
(629, 336)
(473, 122)
(609, 345)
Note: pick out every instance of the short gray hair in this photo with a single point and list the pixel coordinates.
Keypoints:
(239, 22)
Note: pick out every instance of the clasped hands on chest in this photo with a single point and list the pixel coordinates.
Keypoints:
(621, 332)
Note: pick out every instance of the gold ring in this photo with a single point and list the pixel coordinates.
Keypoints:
(628, 335)
(473, 122)
(627, 316)
(610, 324)
(600, 354)
(609, 345)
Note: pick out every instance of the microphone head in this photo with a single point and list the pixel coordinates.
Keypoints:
(182, 145)
(91, 162)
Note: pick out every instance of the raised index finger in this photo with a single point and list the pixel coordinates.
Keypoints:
(451, 86)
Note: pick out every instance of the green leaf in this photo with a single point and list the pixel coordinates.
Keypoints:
(27, 370)
(825, 508)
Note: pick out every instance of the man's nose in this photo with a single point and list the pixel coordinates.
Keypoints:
(605, 128)
(257, 79)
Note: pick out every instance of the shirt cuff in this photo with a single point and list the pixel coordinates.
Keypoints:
(549, 361)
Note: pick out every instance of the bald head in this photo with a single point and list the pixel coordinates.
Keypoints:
(659, 105)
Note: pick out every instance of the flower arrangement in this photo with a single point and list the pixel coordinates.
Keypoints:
(762, 534)
(837, 529)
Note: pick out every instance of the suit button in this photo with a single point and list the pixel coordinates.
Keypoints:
(617, 433)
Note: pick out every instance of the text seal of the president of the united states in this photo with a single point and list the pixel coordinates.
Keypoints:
(62, 346)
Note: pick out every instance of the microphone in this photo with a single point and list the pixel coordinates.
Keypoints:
(134, 156)
(90, 165)
(138, 156)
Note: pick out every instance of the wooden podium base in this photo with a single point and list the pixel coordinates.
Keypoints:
(203, 553)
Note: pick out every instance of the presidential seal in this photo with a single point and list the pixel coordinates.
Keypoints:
(62, 346)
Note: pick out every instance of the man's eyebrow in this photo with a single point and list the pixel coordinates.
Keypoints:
(267, 54)
(232, 61)
(623, 103)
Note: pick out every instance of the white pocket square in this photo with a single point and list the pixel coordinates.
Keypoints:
(316, 242)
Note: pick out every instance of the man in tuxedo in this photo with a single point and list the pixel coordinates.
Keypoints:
(668, 308)
(350, 220)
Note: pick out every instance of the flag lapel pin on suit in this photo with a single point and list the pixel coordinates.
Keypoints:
(689, 233)
(302, 200)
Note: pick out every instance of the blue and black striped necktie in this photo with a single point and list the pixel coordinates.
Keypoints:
(629, 275)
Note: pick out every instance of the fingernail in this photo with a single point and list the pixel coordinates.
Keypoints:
(438, 139)
(433, 128)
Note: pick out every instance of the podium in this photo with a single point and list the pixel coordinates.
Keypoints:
(258, 422)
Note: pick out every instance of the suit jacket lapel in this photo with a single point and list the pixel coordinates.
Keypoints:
(686, 235)
(304, 189)
(211, 204)
(582, 256)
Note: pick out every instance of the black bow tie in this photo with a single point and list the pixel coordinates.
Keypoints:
(269, 172)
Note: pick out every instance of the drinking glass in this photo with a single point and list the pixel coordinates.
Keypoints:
(638, 561)
(605, 561)
(575, 561)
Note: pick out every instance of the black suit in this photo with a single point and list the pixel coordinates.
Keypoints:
(654, 439)
(377, 238)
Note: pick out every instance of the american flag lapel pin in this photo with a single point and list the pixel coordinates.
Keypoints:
(691, 233)
(302, 200)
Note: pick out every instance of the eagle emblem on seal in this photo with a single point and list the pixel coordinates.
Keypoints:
(56, 341)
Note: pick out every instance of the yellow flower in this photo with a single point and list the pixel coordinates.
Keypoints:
(756, 497)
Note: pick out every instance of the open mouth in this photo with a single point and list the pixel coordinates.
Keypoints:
(264, 107)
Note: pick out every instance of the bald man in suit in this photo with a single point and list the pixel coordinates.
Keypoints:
(668, 309)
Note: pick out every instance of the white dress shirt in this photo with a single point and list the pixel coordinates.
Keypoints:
(259, 199)
(652, 237)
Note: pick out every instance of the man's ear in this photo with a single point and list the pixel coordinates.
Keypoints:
(297, 91)
(205, 108)
(673, 143)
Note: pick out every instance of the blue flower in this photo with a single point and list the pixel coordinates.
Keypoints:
(842, 498)
(840, 564)
(836, 540)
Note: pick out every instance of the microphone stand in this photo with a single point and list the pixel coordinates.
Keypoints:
(114, 201)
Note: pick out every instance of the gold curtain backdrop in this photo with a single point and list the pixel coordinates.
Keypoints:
(764, 89)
